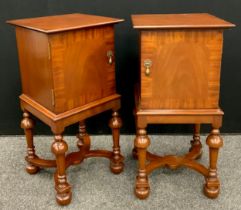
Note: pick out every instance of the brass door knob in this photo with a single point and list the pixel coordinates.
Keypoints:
(147, 64)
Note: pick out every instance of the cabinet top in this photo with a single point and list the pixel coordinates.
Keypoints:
(165, 21)
(57, 23)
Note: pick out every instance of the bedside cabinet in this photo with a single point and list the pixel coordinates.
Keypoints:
(67, 65)
(180, 59)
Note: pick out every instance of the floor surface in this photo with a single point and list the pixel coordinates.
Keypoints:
(95, 187)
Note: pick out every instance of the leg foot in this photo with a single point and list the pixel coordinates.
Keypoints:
(63, 189)
(116, 164)
(116, 168)
(212, 185)
(32, 169)
(63, 198)
(142, 188)
(27, 124)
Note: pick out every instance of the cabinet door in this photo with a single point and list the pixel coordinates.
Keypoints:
(184, 69)
(83, 66)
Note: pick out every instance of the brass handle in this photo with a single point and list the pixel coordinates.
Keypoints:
(110, 57)
(147, 64)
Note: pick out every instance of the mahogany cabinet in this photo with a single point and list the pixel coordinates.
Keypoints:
(180, 62)
(67, 66)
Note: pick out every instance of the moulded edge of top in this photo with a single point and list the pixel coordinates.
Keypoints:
(59, 23)
(178, 21)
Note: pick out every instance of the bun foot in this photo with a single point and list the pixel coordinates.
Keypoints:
(211, 192)
(63, 189)
(116, 168)
(142, 192)
(64, 199)
(32, 169)
(142, 189)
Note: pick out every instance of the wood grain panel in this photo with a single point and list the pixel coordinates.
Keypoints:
(34, 64)
(185, 73)
(79, 59)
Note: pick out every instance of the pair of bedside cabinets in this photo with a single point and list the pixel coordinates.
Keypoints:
(67, 65)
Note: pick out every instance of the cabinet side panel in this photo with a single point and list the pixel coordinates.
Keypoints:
(82, 73)
(33, 52)
(185, 71)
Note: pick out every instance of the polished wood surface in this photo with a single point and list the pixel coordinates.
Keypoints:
(56, 58)
(67, 77)
(59, 23)
(75, 56)
(35, 66)
(170, 21)
(198, 70)
(180, 62)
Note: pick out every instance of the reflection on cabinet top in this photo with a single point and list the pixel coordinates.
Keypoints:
(192, 20)
(51, 24)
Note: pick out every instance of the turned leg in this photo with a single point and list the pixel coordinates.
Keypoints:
(212, 185)
(142, 141)
(83, 137)
(116, 164)
(196, 140)
(63, 189)
(27, 124)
